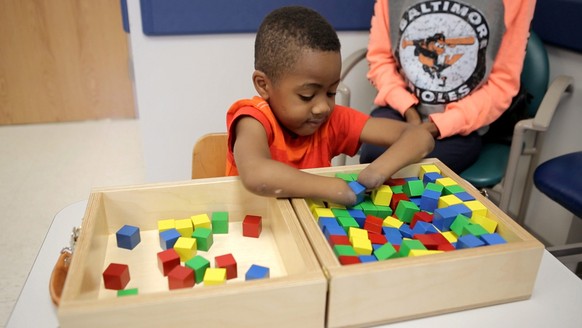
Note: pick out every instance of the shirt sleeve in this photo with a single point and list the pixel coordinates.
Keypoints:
(487, 103)
(383, 71)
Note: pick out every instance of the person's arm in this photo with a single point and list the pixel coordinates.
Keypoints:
(264, 176)
(407, 143)
(383, 69)
(486, 104)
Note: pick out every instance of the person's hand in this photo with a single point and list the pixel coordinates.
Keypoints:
(370, 178)
(341, 193)
(411, 116)
(432, 128)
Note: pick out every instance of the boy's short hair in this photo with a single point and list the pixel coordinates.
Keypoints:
(287, 31)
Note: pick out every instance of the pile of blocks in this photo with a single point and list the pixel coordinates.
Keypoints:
(179, 261)
(414, 216)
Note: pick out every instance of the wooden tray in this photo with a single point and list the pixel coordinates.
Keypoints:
(294, 295)
(407, 288)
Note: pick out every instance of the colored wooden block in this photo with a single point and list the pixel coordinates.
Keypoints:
(393, 235)
(421, 216)
(349, 259)
(116, 276)
(168, 238)
(257, 272)
(474, 229)
(395, 182)
(341, 250)
(422, 227)
(448, 200)
(367, 258)
(382, 195)
(334, 231)
(219, 222)
(392, 222)
(345, 176)
(405, 231)
(337, 212)
(347, 221)
(413, 188)
(396, 198)
(433, 241)
(383, 211)
(433, 186)
(469, 241)
(180, 277)
(368, 207)
(127, 292)
(461, 209)
(386, 251)
(358, 189)
(431, 177)
(322, 212)
(493, 239)
(199, 265)
(357, 233)
(184, 227)
(409, 244)
(167, 260)
(465, 196)
(405, 211)
(453, 189)
(338, 240)
(214, 276)
(450, 236)
(377, 238)
(428, 168)
(477, 208)
(422, 252)
(487, 223)
(204, 239)
(252, 226)
(128, 237)
(373, 224)
(315, 203)
(327, 222)
(397, 190)
(166, 224)
(357, 214)
(445, 181)
(459, 224)
(201, 221)
(332, 205)
(227, 262)
(186, 248)
(429, 200)
(362, 246)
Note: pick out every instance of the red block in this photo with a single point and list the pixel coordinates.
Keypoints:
(434, 241)
(181, 277)
(252, 226)
(396, 182)
(228, 262)
(116, 276)
(377, 239)
(346, 259)
(420, 216)
(397, 198)
(167, 260)
(339, 240)
(373, 224)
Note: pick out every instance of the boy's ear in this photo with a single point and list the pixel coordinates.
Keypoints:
(262, 84)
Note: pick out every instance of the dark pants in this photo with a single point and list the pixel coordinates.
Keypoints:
(457, 152)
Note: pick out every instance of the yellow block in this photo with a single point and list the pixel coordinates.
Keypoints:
(391, 221)
(450, 236)
(166, 224)
(214, 276)
(477, 208)
(312, 203)
(357, 233)
(428, 168)
(445, 182)
(485, 222)
(382, 195)
(448, 200)
(201, 221)
(422, 252)
(334, 205)
(362, 246)
(186, 248)
(184, 227)
(322, 213)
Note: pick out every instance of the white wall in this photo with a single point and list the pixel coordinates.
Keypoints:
(185, 84)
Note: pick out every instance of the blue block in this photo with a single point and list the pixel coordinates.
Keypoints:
(325, 221)
(461, 209)
(334, 230)
(376, 246)
(493, 239)
(429, 200)
(431, 177)
(393, 235)
(423, 228)
(444, 217)
(416, 201)
(469, 241)
(367, 258)
(168, 238)
(257, 272)
(128, 237)
(357, 214)
(406, 231)
(465, 196)
(359, 190)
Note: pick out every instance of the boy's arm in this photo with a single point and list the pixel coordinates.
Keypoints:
(407, 144)
(264, 176)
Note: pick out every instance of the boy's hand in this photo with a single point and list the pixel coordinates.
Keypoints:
(370, 178)
(341, 193)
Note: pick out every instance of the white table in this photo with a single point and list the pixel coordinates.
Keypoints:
(556, 299)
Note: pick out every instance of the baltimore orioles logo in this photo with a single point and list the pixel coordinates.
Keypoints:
(430, 50)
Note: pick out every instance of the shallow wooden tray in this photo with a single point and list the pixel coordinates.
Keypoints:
(294, 295)
(407, 288)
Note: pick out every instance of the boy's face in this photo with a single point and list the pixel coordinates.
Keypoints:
(304, 96)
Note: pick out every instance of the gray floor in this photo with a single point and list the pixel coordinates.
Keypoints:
(46, 167)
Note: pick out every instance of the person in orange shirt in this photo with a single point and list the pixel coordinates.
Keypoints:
(295, 124)
(452, 67)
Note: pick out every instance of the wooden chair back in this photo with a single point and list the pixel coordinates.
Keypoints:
(209, 156)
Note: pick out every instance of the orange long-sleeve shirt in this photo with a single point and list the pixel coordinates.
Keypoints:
(462, 108)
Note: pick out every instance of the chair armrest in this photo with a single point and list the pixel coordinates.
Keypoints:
(552, 97)
(352, 60)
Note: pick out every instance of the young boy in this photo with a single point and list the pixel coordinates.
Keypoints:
(295, 123)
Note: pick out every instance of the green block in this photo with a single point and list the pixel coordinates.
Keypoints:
(340, 250)
(337, 212)
(397, 189)
(199, 264)
(408, 244)
(127, 292)
(219, 222)
(413, 188)
(474, 229)
(434, 186)
(384, 211)
(347, 221)
(368, 207)
(347, 177)
(385, 252)
(459, 223)
(204, 239)
(405, 210)
(453, 189)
